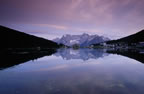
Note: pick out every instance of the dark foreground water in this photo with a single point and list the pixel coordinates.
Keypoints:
(83, 71)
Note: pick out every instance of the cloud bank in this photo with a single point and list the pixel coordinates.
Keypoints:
(115, 18)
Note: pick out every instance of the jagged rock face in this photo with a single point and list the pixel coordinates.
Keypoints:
(82, 40)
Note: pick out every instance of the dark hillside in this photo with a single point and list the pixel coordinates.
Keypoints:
(134, 38)
(10, 38)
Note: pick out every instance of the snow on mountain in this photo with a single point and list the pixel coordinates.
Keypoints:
(82, 40)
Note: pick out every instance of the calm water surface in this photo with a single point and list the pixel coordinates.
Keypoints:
(83, 71)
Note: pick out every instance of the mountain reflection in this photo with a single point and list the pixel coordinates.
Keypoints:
(137, 54)
(86, 54)
(15, 57)
(83, 54)
(12, 58)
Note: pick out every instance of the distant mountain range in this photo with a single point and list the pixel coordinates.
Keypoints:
(10, 38)
(81, 40)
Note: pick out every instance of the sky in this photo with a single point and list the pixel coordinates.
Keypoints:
(54, 18)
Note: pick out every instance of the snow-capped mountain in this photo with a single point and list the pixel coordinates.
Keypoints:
(82, 40)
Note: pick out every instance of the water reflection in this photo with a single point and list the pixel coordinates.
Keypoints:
(12, 58)
(101, 73)
(9, 59)
(134, 54)
(83, 54)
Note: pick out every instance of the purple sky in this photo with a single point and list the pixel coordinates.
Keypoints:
(54, 18)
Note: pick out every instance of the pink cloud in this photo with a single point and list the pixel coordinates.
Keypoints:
(59, 27)
(69, 15)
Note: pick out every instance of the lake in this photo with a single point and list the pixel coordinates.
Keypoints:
(69, 71)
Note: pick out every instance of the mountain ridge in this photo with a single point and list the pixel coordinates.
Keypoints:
(10, 38)
(82, 40)
(133, 38)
